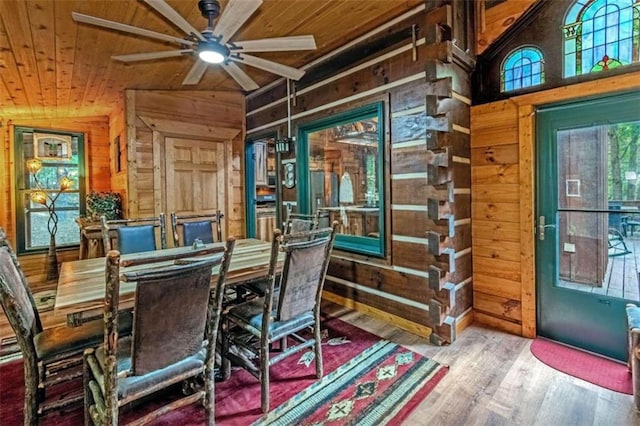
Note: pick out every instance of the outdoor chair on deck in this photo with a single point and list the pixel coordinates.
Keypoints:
(49, 355)
(175, 326)
(617, 231)
(284, 313)
(133, 235)
(205, 227)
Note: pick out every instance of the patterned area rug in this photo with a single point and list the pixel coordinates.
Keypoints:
(380, 386)
(368, 381)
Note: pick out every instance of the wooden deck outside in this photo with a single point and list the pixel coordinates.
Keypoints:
(622, 278)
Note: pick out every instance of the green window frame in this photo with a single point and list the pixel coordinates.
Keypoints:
(32, 234)
(369, 183)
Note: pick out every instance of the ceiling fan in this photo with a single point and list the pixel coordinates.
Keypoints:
(213, 44)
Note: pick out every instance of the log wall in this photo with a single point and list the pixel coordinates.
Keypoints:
(423, 284)
(200, 115)
(502, 182)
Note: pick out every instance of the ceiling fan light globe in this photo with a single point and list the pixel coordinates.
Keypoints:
(211, 56)
(213, 52)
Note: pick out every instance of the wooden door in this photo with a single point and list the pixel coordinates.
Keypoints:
(195, 176)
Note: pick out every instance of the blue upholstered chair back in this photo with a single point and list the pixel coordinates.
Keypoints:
(134, 239)
(133, 235)
(204, 227)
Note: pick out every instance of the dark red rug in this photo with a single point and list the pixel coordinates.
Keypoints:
(583, 365)
(366, 379)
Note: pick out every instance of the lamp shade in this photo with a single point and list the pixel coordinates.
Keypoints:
(34, 165)
(66, 184)
(39, 197)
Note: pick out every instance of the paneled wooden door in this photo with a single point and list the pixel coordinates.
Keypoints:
(196, 176)
(586, 267)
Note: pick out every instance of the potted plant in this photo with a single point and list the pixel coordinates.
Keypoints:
(108, 204)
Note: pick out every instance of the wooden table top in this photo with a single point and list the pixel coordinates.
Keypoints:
(81, 284)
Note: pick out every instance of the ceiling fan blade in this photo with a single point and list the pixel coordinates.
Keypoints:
(240, 76)
(195, 73)
(270, 66)
(233, 16)
(277, 44)
(173, 16)
(79, 17)
(151, 55)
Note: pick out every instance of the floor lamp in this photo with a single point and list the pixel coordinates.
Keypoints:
(48, 199)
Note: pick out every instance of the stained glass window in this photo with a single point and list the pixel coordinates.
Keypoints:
(601, 35)
(523, 67)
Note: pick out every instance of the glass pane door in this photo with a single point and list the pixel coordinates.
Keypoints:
(588, 251)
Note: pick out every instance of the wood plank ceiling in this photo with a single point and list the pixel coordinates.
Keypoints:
(52, 66)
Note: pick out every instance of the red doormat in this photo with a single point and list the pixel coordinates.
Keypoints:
(367, 380)
(583, 365)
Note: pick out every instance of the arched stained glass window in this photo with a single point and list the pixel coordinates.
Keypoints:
(523, 67)
(601, 35)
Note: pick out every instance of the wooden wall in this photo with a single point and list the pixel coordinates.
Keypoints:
(96, 132)
(423, 284)
(494, 17)
(205, 115)
(502, 182)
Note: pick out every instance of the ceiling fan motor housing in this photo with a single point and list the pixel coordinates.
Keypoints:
(210, 9)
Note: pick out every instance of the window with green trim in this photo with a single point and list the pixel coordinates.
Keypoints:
(67, 161)
(601, 35)
(341, 176)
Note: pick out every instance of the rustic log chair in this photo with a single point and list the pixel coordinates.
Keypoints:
(256, 324)
(295, 223)
(133, 235)
(176, 317)
(633, 330)
(48, 353)
(205, 227)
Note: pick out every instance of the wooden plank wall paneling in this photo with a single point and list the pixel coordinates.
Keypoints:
(496, 212)
(424, 282)
(502, 182)
(494, 21)
(117, 128)
(200, 115)
(96, 131)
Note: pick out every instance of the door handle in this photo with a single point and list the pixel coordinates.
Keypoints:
(542, 226)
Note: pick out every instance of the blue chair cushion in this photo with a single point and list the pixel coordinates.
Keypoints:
(60, 341)
(633, 316)
(135, 239)
(135, 385)
(249, 317)
(201, 230)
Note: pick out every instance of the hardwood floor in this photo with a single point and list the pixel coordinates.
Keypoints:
(494, 379)
(622, 277)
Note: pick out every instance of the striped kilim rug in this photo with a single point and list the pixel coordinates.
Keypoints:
(367, 381)
(380, 386)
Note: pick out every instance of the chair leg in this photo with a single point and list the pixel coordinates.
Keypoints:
(209, 395)
(318, 349)
(225, 362)
(264, 375)
(33, 395)
(634, 359)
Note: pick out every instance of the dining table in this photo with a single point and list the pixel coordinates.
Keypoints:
(81, 283)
